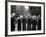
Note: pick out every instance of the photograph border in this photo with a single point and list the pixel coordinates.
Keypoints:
(6, 16)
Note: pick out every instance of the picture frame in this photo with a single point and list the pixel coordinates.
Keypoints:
(8, 5)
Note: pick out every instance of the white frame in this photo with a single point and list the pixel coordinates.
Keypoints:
(25, 4)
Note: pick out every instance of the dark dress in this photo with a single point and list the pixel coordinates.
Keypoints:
(24, 24)
(12, 24)
(29, 24)
(19, 24)
(34, 22)
(39, 24)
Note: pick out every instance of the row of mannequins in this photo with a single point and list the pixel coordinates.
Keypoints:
(26, 24)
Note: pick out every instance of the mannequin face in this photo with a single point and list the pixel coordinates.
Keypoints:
(13, 14)
(34, 17)
(38, 15)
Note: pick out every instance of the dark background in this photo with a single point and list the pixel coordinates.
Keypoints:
(35, 10)
(20, 10)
